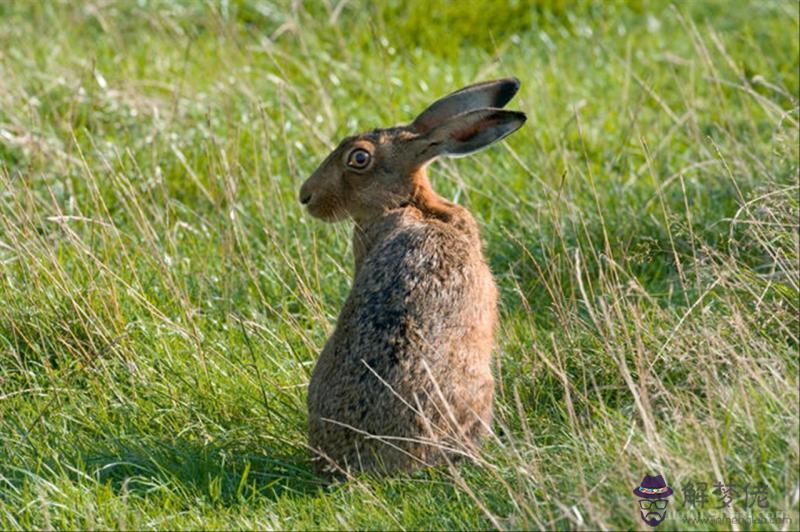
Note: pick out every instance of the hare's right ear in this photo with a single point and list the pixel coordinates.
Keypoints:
(469, 132)
(495, 94)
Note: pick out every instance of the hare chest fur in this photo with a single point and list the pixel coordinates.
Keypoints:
(405, 380)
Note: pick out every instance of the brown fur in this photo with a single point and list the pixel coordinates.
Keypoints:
(405, 377)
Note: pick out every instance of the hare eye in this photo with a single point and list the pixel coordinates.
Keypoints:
(359, 158)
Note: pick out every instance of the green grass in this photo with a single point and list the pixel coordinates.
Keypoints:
(163, 296)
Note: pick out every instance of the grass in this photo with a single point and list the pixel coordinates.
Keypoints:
(163, 296)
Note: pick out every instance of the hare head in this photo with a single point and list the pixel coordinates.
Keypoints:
(373, 172)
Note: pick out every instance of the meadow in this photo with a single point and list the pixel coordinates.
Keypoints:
(163, 295)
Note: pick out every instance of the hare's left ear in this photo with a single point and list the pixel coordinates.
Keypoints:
(494, 94)
(469, 132)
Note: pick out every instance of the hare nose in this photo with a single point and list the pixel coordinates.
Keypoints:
(305, 197)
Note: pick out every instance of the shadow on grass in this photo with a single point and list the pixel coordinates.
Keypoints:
(222, 474)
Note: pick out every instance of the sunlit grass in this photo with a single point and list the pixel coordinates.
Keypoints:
(163, 296)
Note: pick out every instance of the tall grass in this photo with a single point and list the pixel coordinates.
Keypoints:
(164, 296)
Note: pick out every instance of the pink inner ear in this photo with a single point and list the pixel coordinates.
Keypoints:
(465, 134)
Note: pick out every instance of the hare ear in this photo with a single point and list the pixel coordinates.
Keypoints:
(495, 93)
(471, 131)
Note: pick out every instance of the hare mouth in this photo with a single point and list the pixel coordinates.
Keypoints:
(326, 212)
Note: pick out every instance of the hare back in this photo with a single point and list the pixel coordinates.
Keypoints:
(408, 366)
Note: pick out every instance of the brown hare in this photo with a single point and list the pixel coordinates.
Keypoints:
(405, 380)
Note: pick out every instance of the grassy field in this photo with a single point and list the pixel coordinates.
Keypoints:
(163, 296)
